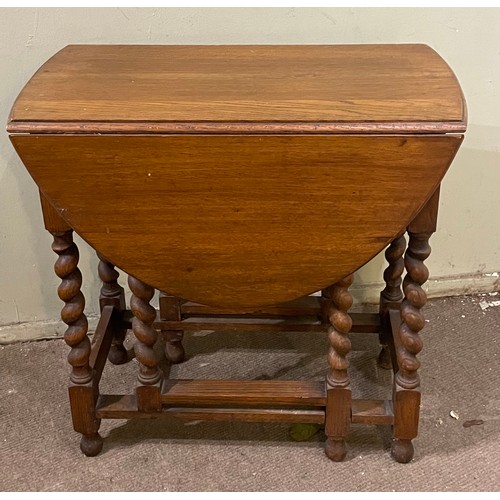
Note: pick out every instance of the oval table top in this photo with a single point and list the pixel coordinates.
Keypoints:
(238, 88)
(243, 175)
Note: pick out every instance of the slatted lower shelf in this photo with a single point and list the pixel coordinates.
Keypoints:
(244, 392)
(289, 401)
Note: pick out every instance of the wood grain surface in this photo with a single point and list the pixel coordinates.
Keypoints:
(238, 220)
(264, 392)
(257, 88)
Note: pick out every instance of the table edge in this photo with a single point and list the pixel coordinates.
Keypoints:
(44, 127)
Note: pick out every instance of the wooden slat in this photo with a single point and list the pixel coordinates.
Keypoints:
(118, 407)
(284, 415)
(223, 324)
(302, 306)
(243, 392)
(366, 412)
(395, 319)
(362, 323)
(102, 340)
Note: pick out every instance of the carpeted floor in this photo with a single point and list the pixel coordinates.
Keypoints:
(460, 372)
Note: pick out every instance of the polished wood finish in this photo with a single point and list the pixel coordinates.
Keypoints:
(261, 392)
(307, 86)
(254, 188)
(237, 181)
(223, 128)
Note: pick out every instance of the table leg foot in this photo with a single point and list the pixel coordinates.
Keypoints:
(91, 444)
(402, 450)
(335, 449)
(117, 354)
(384, 358)
(174, 351)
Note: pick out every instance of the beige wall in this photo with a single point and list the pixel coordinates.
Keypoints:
(466, 248)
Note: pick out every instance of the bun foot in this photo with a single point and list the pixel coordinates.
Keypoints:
(335, 449)
(118, 355)
(174, 352)
(402, 450)
(384, 358)
(91, 445)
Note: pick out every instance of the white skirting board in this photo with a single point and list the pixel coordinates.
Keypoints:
(435, 287)
(37, 330)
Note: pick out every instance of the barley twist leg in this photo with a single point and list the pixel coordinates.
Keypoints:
(81, 389)
(149, 378)
(338, 406)
(407, 382)
(391, 295)
(113, 294)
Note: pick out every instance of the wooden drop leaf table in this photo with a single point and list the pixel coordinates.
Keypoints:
(238, 181)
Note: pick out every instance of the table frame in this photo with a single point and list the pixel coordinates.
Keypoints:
(328, 403)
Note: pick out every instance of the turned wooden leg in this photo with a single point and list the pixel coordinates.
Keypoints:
(112, 294)
(82, 391)
(338, 401)
(407, 383)
(150, 376)
(391, 295)
(170, 310)
(406, 391)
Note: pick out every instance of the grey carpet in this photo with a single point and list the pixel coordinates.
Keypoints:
(460, 371)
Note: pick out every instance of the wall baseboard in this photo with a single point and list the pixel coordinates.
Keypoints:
(37, 330)
(366, 295)
(436, 287)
